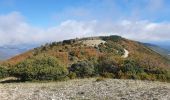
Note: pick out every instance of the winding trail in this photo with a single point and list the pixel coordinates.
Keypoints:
(126, 54)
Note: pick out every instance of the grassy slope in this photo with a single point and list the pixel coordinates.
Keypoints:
(65, 50)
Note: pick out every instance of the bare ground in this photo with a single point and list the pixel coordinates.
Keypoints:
(86, 89)
(93, 42)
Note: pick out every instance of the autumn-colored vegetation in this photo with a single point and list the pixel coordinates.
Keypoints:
(73, 59)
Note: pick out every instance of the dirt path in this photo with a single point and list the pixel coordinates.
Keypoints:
(126, 54)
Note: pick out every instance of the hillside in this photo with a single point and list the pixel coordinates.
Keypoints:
(91, 47)
(160, 50)
(87, 89)
(106, 56)
(70, 51)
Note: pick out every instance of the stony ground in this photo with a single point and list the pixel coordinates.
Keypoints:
(93, 42)
(86, 89)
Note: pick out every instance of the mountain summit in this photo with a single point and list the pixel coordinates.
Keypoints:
(106, 56)
(73, 50)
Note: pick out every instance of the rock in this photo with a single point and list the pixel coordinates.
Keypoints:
(110, 89)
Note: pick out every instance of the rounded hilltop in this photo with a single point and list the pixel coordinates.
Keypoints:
(105, 56)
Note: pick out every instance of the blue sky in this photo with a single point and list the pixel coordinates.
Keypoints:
(45, 12)
(54, 20)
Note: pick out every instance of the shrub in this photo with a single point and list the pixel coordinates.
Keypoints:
(130, 75)
(144, 76)
(108, 75)
(83, 68)
(3, 72)
(107, 64)
(72, 75)
(40, 68)
(100, 79)
(161, 77)
(111, 47)
(114, 38)
(131, 66)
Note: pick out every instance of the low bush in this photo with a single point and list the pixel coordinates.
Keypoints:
(131, 66)
(72, 75)
(107, 64)
(99, 79)
(111, 47)
(108, 75)
(40, 68)
(3, 72)
(83, 69)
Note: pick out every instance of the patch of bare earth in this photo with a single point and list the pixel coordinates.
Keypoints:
(109, 89)
(93, 42)
(126, 54)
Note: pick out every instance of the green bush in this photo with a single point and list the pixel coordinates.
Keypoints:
(40, 68)
(83, 69)
(99, 79)
(3, 72)
(163, 75)
(108, 75)
(111, 47)
(72, 75)
(107, 64)
(131, 66)
(114, 38)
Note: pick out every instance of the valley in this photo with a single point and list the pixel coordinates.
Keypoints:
(9, 51)
(162, 50)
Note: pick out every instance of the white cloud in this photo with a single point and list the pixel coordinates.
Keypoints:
(15, 30)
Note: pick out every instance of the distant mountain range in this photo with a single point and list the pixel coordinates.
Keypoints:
(162, 44)
(8, 51)
(163, 49)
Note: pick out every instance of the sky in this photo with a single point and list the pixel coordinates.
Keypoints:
(41, 21)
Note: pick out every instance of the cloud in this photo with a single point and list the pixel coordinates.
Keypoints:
(145, 30)
(15, 30)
